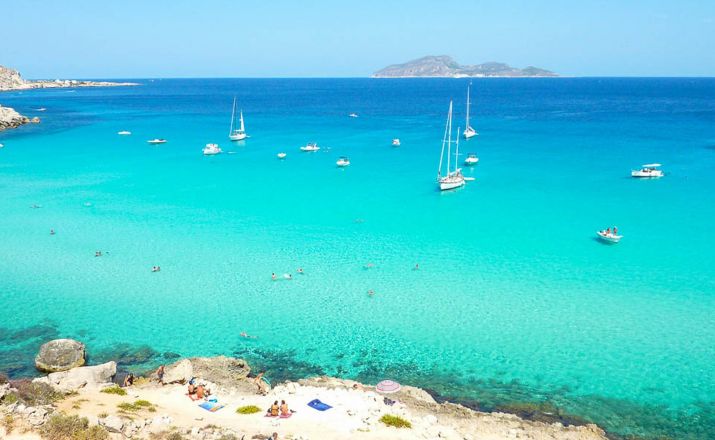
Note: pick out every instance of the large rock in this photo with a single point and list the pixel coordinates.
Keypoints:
(97, 376)
(9, 118)
(60, 355)
(112, 424)
(221, 370)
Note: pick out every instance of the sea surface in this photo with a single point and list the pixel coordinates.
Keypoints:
(515, 306)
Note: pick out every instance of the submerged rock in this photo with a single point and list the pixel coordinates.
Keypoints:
(60, 355)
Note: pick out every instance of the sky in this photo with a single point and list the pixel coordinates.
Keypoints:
(319, 38)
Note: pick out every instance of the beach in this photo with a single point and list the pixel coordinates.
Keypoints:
(515, 301)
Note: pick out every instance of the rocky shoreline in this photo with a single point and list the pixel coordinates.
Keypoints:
(9, 118)
(11, 79)
(87, 398)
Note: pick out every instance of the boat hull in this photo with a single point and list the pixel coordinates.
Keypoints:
(645, 175)
(609, 238)
(445, 185)
(470, 134)
(238, 137)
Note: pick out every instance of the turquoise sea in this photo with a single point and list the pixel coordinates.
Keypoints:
(514, 302)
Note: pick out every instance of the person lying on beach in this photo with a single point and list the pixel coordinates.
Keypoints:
(273, 410)
(201, 392)
(192, 391)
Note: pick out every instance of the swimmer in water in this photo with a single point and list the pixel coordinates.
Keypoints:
(287, 276)
(273, 276)
(300, 270)
(371, 292)
(417, 266)
(52, 232)
(369, 266)
(247, 336)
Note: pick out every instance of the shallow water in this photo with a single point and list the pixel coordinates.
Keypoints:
(514, 300)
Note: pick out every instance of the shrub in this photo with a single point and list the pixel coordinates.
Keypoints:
(137, 406)
(9, 399)
(248, 409)
(63, 427)
(115, 389)
(35, 393)
(102, 415)
(8, 422)
(395, 421)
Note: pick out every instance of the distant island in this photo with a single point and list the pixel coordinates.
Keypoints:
(11, 79)
(444, 66)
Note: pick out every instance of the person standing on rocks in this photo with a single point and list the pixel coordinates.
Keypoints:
(160, 374)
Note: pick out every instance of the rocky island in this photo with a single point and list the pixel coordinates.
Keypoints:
(11, 79)
(444, 66)
(229, 402)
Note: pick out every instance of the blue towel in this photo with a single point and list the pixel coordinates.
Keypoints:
(317, 404)
(211, 406)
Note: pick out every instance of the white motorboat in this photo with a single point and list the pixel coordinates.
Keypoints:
(453, 179)
(396, 142)
(343, 161)
(41, 109)
(237, 134)
(281, 155)
(353, 115)
(157, 141)
(124, 133)
(310, 146)
(609, 236)
(648, 170)
(211, 149)
(469, 131)
(471, 159)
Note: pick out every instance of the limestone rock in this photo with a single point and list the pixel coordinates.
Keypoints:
(221, 370)
(178, 372)
(9, 118)
(60, 355)
(96, 376)
(112, 423)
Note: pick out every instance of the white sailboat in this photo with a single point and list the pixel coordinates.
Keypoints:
(469, 131)
(240, 133)
(453, 179)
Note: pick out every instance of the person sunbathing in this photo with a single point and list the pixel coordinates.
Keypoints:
(285, 412)
(200, 392)
(273, 410)
(192, 391)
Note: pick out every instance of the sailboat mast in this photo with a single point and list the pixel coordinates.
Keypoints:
(456, 153)
(233, 115)
(468, 87)
(449, 136)
(444, 139)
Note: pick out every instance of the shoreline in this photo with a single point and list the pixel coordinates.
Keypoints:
(64, 84)
(357, 409)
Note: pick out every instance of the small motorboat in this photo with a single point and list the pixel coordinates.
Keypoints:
(211, 149)
(648, 170)
(608, 236)
(343, 161)
(281, 155)
(471, 159)
(353, 115)
(157, 141)
(396, 142)
(124, 133)
(41, 109)
(310, 146)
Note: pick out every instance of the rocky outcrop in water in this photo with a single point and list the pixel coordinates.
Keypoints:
(60, 355)
(446, 67)
(221, 370)
(9, 118)
(10, 79)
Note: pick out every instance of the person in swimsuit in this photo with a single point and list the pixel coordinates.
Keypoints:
(160, 374)
(285, 412)
(273, 411)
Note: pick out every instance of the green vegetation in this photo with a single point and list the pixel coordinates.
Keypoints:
(248, 409)
(116, 389)
(395, 421)
(166, 435)
(102, 415)
(63, 427)
(138, 405)
(32, 394)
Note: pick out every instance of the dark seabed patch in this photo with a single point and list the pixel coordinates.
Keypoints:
(18, 348)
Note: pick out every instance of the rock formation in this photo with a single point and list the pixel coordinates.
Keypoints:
(60, 355)
(96, 376)
(9, 118)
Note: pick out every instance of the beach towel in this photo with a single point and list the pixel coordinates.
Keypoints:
(211, 406)
(285, 416)
(317, 404)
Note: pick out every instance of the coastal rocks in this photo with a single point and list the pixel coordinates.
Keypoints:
(60, 355)
(96, 376)
(10, 79)
(9, 118)
(111, 423)
(221, 370)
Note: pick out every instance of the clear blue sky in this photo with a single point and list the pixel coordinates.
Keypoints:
(224, 38)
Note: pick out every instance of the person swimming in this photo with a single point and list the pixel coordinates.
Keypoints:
(369, 265)
(52, 232)
(287, 276)
(371, 292)
(273, 276)
(417, 266)
(300, 270)
(98, 253)
(247, 336)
